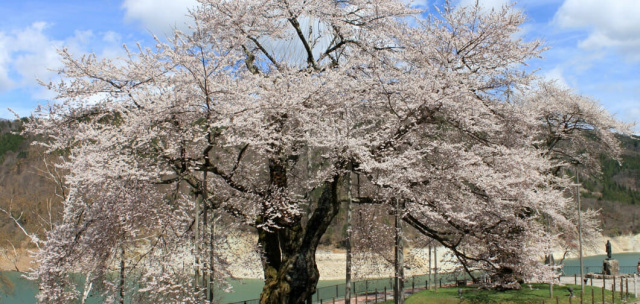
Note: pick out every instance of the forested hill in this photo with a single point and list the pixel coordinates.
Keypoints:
(27, 190)
(617, 192)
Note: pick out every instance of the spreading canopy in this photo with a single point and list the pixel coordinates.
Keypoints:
(230, 115)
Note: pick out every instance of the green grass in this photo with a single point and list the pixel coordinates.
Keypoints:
(539, 293)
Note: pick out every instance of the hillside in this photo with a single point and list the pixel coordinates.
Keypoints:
(25, 188)
(617, 192)
(29, 192)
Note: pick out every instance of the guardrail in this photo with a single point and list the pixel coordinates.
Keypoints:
(571, 270)
(377, 286)
(385, 285)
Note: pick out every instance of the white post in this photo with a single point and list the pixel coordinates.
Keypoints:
(347, 286)
(580, 233)
(635, 283)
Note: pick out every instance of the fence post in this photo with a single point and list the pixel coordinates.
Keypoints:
(413, 286)
(385, 293)
(440, 282)
(593, 295)
(613, 290)
(621, 288)
(635, 287)
(376, 296)
(337, 295)
(353, 290)
(603, 288)
(334, 300)
(557, 300)
(575, 279)
(626, 287)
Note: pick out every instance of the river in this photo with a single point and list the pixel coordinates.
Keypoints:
(23, 291)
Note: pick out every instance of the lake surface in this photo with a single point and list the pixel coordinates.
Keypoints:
(628, 263)
(23, 291)
(625, 259)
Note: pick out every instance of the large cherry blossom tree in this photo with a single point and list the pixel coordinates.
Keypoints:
(261, 113)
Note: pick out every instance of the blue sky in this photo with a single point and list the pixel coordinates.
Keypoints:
(594, 44)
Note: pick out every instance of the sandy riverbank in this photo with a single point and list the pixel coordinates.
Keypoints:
(332, 262)
(18, 260)
(332, 265)
(619, 244)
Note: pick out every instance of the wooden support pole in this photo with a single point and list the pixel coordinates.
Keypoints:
(613, 290)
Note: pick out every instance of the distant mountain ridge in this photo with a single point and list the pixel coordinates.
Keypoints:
(26, 189)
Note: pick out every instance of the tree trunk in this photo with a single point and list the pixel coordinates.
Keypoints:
(212, 251)
(122, 274)
(347, 289)
(399, 256)
(289, 264)
(435, 268)
(196, 246)
(429, 287)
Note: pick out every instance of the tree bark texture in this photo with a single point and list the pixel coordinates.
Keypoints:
(347, 289)
(399, 256)
(289, 264)
(122, 275)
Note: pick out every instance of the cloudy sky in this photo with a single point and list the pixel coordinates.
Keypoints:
(595, 45)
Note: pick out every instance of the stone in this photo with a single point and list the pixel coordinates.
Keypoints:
(610, 267)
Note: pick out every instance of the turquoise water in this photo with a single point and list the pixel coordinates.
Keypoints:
(20, 290)
(23, 291)
(628, 263)
(625, 259)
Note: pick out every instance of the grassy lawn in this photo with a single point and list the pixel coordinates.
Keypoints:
(539, 293)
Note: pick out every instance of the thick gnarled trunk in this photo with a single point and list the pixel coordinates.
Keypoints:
(289, 264)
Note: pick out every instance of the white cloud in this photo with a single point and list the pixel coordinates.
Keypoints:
(29, 54)
(111, 37)
(485, 4)
(26, 54)
(422, 4)
(627, 110)
(610, 24)
(159, 16)
(34, 55)
(556, 75)
(5, 58)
